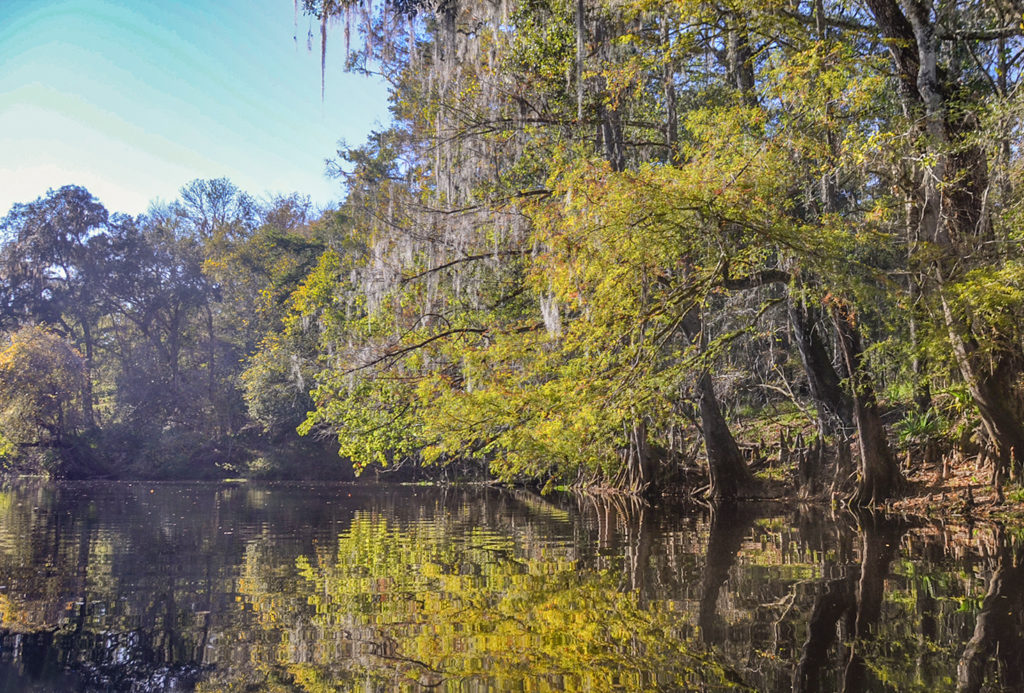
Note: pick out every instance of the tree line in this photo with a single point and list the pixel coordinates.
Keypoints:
(609, 243)
(127, 337)
(602, 242)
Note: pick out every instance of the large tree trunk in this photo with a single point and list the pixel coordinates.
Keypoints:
(991, 388)
(835, 409)
(730, 477)
(952, 213)
(880, 477)
(739, 58)
(609, 124)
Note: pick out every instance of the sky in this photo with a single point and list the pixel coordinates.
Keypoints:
(134, 98)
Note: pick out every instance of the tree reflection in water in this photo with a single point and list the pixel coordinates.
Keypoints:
(998, 632)
(219, 587)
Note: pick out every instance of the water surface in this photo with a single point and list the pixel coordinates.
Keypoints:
(285, 587)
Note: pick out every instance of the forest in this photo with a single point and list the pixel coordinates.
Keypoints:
(737, 250)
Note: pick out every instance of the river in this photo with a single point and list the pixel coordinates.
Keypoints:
(322, 587)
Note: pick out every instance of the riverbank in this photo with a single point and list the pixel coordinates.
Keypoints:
(964, 492)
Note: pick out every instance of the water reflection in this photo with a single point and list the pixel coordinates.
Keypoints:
(314, 588)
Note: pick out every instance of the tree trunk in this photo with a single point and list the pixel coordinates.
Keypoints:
(88, 412)
(952, 213)
(992, 392)
(728, 472)
(609, 124)
(580, 42)
(880, 477)
(740, 59)
(730, 477)
(669, 87)
(637, 475)
(918, 364)
(835, 410)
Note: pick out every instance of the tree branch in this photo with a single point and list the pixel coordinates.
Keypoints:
(768, 276)
(459, 261)
(394, 352)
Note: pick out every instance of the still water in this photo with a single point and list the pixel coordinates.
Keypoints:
(253, 587)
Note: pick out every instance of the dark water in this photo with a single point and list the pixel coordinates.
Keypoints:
(321, 588)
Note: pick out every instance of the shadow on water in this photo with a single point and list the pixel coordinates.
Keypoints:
(136, 587)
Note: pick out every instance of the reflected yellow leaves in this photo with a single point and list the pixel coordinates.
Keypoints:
(418, 606)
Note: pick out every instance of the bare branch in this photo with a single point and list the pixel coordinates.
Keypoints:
(459, 261)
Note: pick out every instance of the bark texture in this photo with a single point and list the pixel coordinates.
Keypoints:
(880, 477)
(730, 477)
(951, 210)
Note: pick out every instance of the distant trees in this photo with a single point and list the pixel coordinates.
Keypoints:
(53, 262)
(160, 311)
(43, 384)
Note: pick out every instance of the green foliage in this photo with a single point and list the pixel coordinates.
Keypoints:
(917, 428)
(42, 380)
(658, 249)
(585, 223)
(990, 300)
(165, 310)
(535, 352)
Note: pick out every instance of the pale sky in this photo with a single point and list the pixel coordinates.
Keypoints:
(134, 98)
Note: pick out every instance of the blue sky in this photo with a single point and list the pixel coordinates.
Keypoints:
(134, 98)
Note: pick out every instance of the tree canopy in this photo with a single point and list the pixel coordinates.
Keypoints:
(605, 243)
(594, 230)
